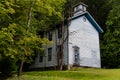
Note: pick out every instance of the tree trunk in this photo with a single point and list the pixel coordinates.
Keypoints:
(27, 29)
(60, 55)
(60, 52)
(60, 58)
(20, 68)
(29, 15)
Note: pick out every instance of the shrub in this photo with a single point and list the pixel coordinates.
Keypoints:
(7, 66)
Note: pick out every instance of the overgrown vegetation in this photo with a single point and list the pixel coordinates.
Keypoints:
(20, 23)
(110, 45)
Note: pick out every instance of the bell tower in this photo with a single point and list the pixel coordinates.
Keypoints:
(79, 8)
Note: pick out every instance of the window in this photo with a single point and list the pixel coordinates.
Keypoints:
(75, 9)
(84, 8)
(76, 55)
(50, 36)
(34, 58)
(49, 54)
(80, 7)
(59, 32)
(84, 19)
(41, 58)
(41, 34)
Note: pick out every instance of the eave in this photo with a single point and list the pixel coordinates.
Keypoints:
(91, 19)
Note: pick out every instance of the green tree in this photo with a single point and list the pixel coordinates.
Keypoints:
(23, 19)
(110, 45)
(7, 63)
(5, 11)
(19, 44)
(43, 11)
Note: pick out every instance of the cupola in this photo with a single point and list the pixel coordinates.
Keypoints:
(79, 8)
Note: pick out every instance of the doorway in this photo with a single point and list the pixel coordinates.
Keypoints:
(76, 56)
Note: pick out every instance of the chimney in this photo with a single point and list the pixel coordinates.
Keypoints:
(79, 8)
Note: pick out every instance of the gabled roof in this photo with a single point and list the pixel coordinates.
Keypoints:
(91, 19)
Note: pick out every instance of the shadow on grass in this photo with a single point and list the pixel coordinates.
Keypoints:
(4, 77)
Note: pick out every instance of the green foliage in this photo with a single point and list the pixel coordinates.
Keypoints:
(42, 12)
(16, 11)
(6, 39)
(18, 44)
(110, 45)
(6, 9)
(7, 66)
(16, 41)
(7, 52)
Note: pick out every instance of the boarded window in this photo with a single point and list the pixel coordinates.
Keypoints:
(41, 34)
(76, 55)
(41, 58)
(49, 54)
(50, 36)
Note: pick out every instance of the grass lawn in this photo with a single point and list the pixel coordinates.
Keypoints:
(74, 74)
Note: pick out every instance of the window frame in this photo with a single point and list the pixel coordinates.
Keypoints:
(40, 58)
(50, 35)
(50, 54)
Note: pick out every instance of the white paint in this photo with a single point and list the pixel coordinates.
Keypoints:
(55, 43)
(81, 34)
(86, 37)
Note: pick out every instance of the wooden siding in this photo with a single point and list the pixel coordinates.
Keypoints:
(81, 34)
(45, 62)
(56, 41)
(86, 37)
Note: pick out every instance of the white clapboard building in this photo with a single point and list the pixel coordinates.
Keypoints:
(80, 40)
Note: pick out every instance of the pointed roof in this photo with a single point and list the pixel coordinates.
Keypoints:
(91, 19)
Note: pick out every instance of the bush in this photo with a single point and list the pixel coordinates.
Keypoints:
(7, 66)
